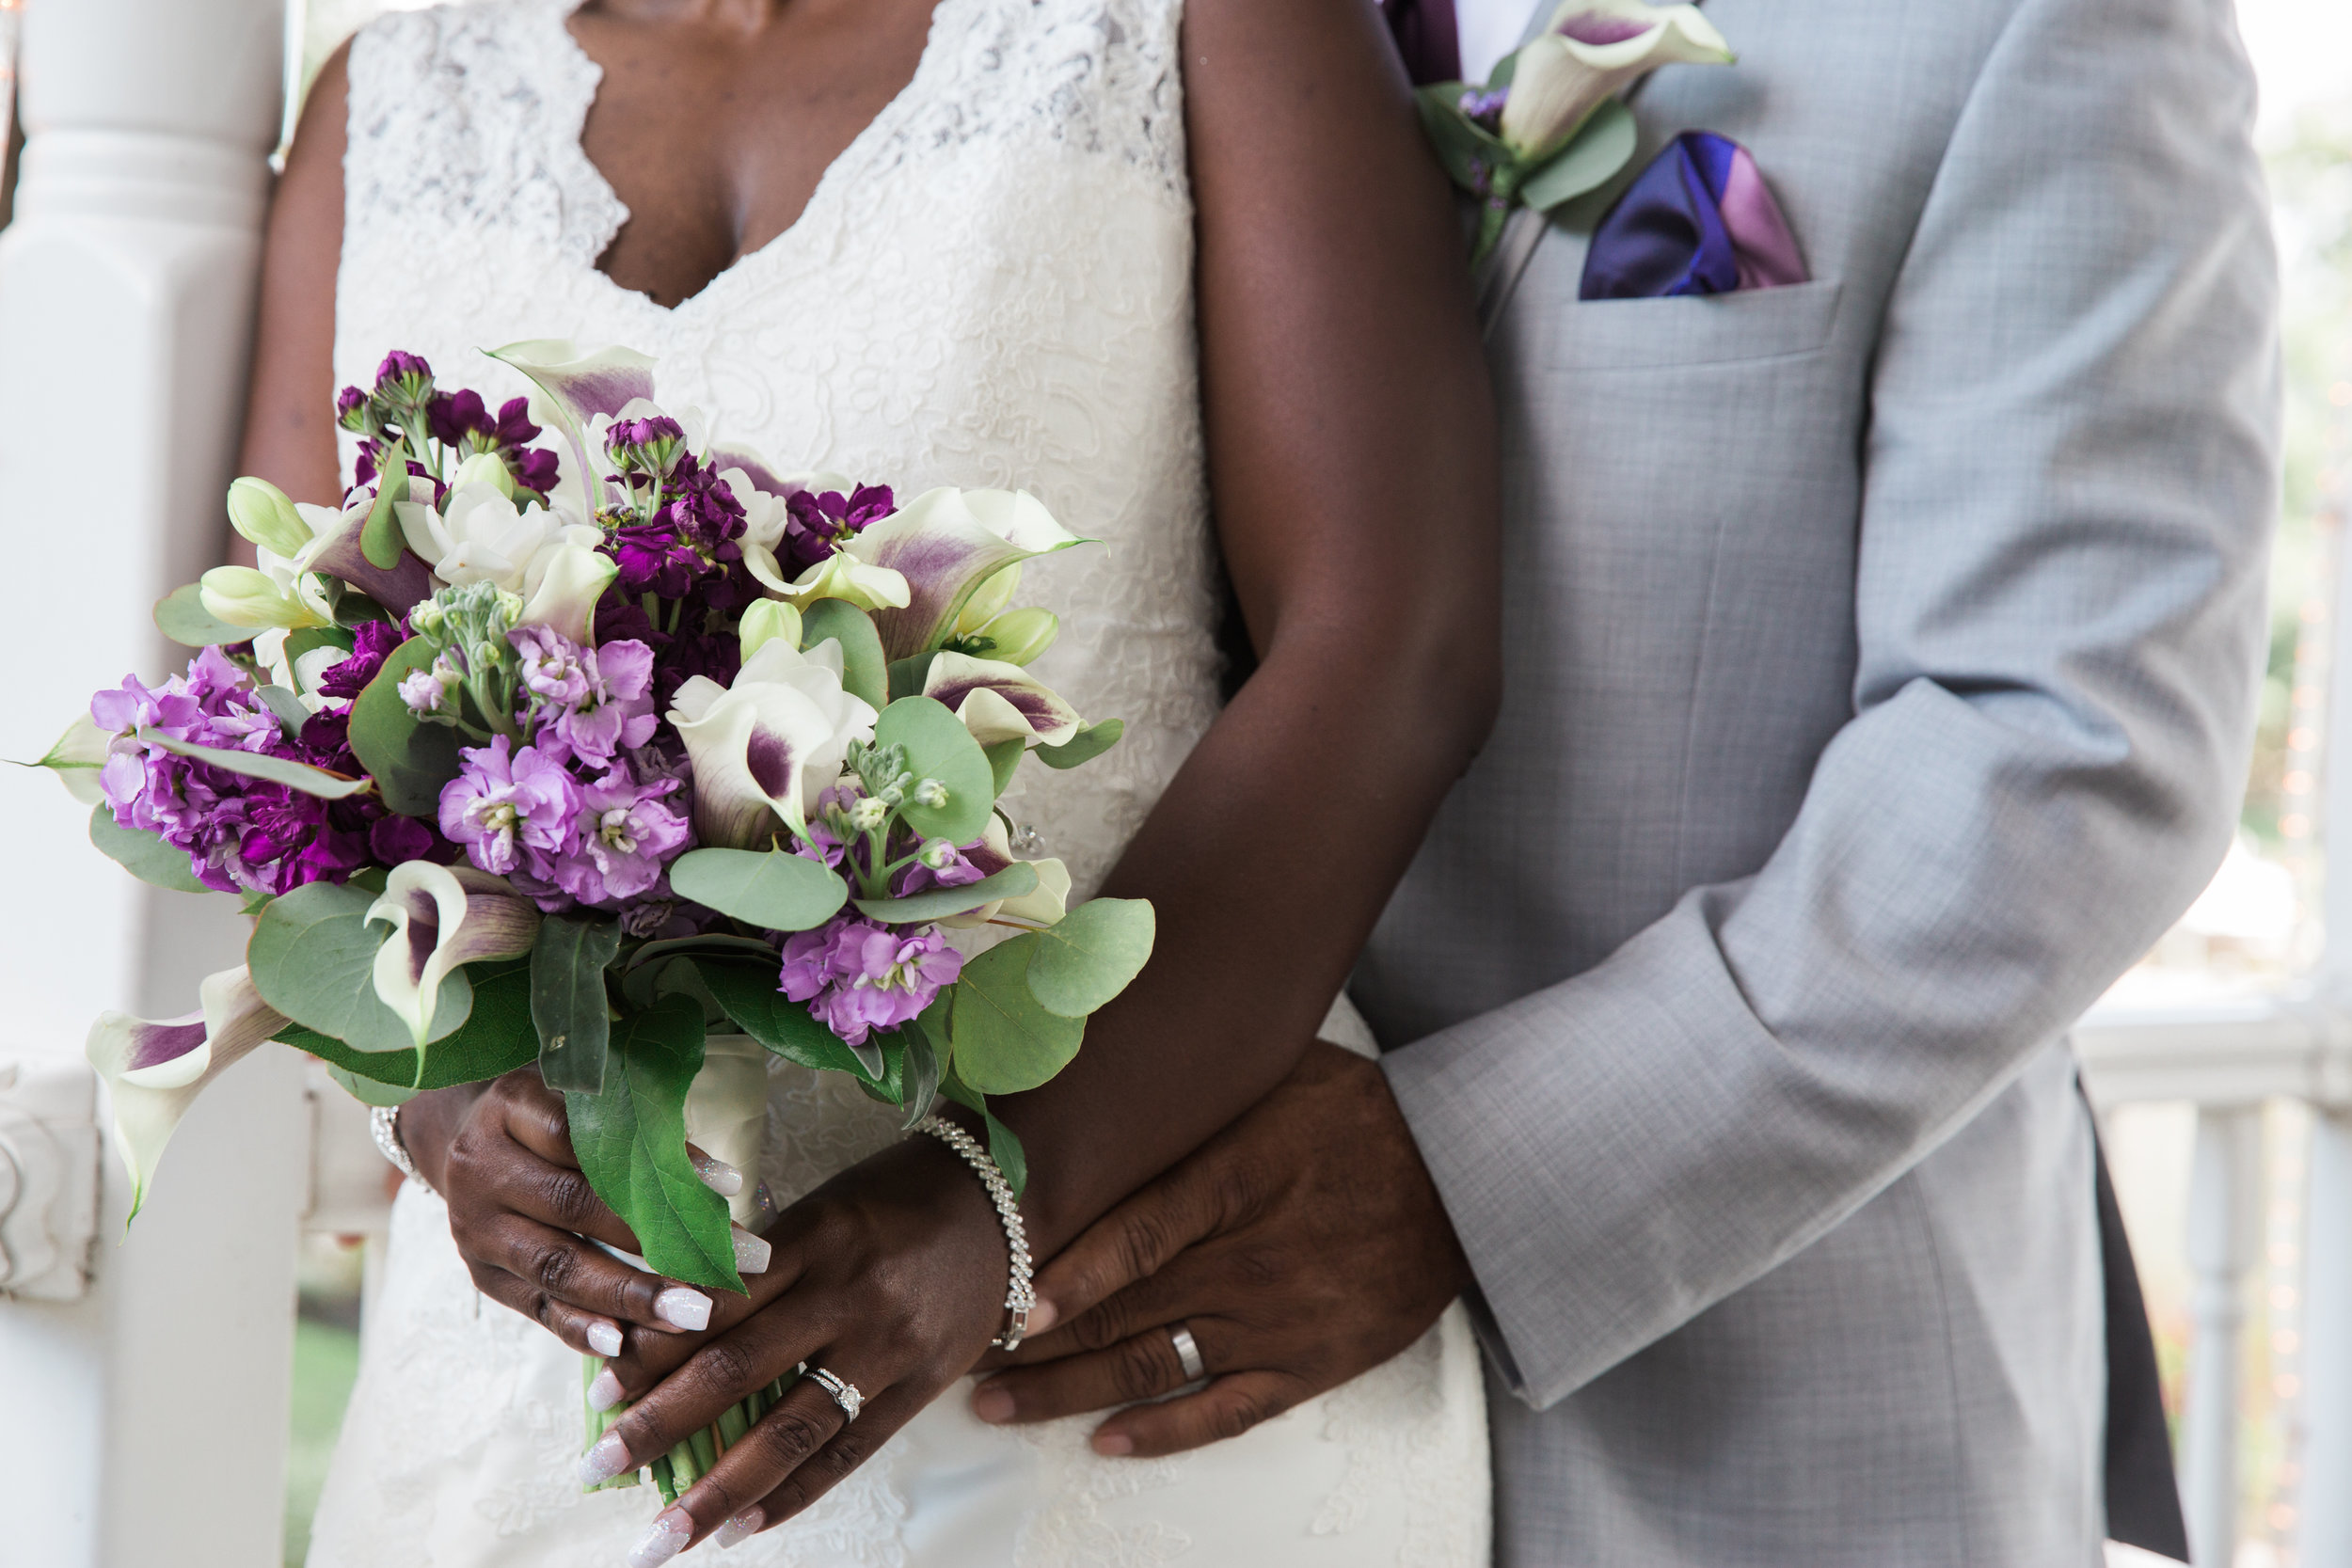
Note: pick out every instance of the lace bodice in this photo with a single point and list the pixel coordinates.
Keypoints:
(993, 286)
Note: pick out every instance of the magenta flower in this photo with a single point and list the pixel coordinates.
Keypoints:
(619, 839)
(511, 811)
(857, 975)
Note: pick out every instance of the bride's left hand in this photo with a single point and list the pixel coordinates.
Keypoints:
(891, 1276)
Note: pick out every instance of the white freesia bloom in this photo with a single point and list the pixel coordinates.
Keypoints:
(767, 621)
(155, 1069)
(282, 591)
(442, 916)
(480, 535)
(769, 744)
(1591, 49)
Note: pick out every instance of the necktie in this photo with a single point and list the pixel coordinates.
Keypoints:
(1426, 38)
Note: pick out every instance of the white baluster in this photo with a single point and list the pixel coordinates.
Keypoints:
(2324, 1503)
(2224, 1241)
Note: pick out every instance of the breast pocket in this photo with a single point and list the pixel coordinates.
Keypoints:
(1692, 330)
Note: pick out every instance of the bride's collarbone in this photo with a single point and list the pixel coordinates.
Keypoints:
(716, 122)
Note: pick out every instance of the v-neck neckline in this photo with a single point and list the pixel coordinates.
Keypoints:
(571, 142)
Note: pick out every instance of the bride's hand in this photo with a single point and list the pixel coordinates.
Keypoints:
(501, 1157)
(891, 1276)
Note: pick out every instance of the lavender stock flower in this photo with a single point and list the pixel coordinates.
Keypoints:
(509, 809)
(858, 976)
(619, 839)
(591, 702)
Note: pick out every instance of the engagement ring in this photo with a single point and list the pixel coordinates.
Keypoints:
(844, 1392)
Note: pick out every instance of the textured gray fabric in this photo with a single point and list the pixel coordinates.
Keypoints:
(1881, 659)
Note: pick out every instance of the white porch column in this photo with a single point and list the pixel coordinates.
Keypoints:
(147, 1417)
(2224, 1243)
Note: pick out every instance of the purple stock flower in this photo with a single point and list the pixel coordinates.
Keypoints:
(404, 376)
(509, 809)
(619, 839)
(646, 446)
(591, 702)
(959, 871)
(1486, 107)
(817, 525)
(371, 642)
(857, 975)
(453, 416)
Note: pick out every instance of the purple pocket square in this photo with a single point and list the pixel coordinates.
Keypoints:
(1698, 221)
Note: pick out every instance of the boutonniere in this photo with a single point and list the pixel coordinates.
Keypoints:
(1548, 125)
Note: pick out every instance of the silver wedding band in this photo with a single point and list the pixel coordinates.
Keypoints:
(844, 1392)
(1189, 1353)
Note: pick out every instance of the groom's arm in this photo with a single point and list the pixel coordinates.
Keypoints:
(2058, 616)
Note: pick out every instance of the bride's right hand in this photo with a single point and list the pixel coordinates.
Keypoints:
(500, 1156)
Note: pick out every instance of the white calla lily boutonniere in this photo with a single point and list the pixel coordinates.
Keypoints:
(1547, 126)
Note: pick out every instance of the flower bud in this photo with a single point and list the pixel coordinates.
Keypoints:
(510, 606)
(423, 690)
(1019, 636)
(485, 467)
(426, 619)
(936, 854)
(260, 511)
(929, 793)
(988, 601)
(245, 598)
(767, 621)
(868, 814)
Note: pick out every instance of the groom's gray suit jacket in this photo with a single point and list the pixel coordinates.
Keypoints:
(1882, 654)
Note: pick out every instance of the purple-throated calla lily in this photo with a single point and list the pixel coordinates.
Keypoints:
(1590, 49)
(762, 494)
(999, 701)
(946, 544)
(575, 387)
(442, 916)
(1043, 906)
(155, 1070)
(769, 744)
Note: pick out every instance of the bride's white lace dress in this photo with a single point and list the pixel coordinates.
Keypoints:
(991, 287)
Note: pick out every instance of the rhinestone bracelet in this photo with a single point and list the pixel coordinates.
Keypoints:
(1020, 1294)
(384, 1121)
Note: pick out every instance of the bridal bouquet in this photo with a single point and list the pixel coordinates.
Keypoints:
(593, 764)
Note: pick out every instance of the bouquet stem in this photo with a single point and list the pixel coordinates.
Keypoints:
(690, 1460)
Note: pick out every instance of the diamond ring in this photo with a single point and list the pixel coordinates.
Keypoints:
(1189, 1353)
(844, 1392)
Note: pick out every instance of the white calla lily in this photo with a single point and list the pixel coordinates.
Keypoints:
(575, 385)
(768, 745)
(442, 916)
(946, 544)
(155, 1070)
(1588, 51)
(561, 588)
(998, 700)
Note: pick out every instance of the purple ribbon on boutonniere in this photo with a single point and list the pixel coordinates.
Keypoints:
(1699, 220)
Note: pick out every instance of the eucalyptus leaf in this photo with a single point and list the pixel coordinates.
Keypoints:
(1088, 744)
(568, 1006)
(630, 1141)
(1599, 149)
(715, 943)
(496, 1039)
(747, 992)
(380, 539)
(939, 903)
(773, 889)
(310, 640)
(142, 853)
(181, 615)
(1089, 955)
(288, 708)
(939, 747)
(862, 673)
(409, 760)
(368, 1091)
(908, 675)
(1003, 1147)
(1004, 759)
(1468, 151)
(312, 958)
(1006, 1041)
(279, 770)
(920, 1075)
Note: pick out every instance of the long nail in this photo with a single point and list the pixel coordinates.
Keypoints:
(608, 1459)
(683, 1309)
(670, 1532)
(605, 1392)
(604, 1338)
(742, 1527)
(717, 1174)
(764, 1201)
(751, 1252)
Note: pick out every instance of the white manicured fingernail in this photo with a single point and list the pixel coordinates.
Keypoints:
(608, 1459)
(751, 1252)
(604, 1338)
(683, 1309)
(668, 1537)
(605, 1392)
(742, 1527)
(717, 1175)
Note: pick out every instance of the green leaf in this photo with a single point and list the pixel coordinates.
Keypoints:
(181, 615)
(368, 1091)
(288, 708)
(1591, 160)
(496, 1039)
(380, 539)
(939, 903)
(889, 1085)
(939, 747)
(1003, 1147)
(1092, 954)
(410, 761)
(568, 1007)
(862, 673)
(1003, 759)
(921, 1070)
(710, 942)
(747, 992)
(907, 675)
(631, 1144)
(142, 853)
(279, 771)
(1470, 153)
(311, 639)
(313, 957)
(773, 889)
(1006, 1041)
(1088, 744)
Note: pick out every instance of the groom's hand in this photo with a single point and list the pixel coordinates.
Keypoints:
(1300, 1247)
